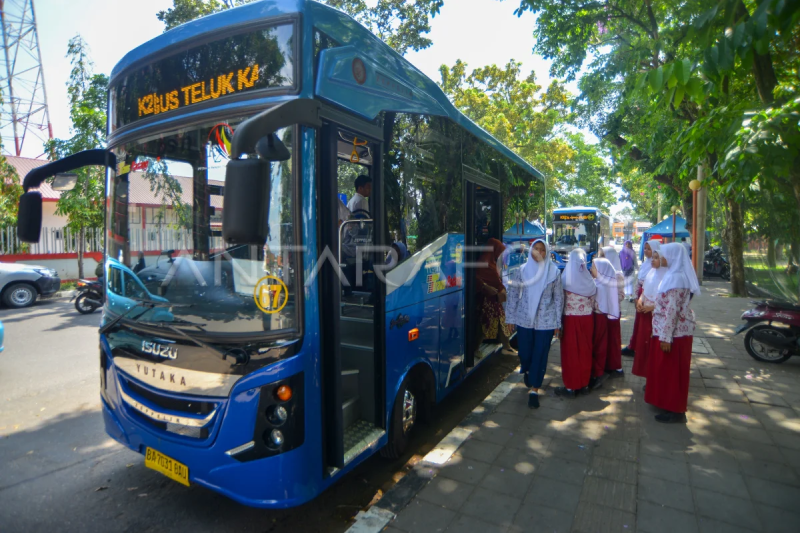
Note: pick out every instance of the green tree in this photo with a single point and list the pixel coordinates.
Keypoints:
(10, 191)
(401, 24)
(667, 84)
(83, 205)
(531, 119)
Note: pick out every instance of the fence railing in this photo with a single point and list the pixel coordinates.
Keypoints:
(65, 240)
(51, 241)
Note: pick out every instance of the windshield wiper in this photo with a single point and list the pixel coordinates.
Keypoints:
(148, 304)
(241, 357)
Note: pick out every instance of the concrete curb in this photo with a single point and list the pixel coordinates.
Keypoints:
(385, 510)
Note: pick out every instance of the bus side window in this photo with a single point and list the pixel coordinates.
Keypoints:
(423, 182)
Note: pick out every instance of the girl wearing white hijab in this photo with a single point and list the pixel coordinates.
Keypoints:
(614, 355)
(535, 302)
(606, 350)
(670, 352)
(644, 314)
(649, 247)
(578, 325)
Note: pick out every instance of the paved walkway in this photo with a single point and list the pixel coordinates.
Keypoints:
(601, 463)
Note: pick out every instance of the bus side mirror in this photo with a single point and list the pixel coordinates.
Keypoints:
(29, 217)
(245, 206)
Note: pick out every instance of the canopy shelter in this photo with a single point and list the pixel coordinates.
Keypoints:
(663, 230)
(524, 231)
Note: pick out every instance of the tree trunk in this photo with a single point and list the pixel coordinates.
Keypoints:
(770, 252)
(795, 247)
(735, 245)
(81, 241)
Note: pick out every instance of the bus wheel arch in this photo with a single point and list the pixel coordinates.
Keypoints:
(412, 405)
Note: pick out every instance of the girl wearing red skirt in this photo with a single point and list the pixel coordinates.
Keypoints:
(644, 314)
(614, 353)
(577, 326)
(606, 315)
(649, 247)
(673, 328)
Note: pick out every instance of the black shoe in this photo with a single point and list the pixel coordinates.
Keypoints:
(596, 383)
(616, 373)
(533, 400)
(671, 418)
(584, 391)
(627, 352)
(565, 392)
(631, 300)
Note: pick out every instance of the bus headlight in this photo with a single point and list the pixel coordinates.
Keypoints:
(276, 436)
(280, 419)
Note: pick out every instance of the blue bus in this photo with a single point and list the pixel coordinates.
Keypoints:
(579, 227)
(284, 343)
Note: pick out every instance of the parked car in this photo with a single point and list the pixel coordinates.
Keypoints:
(21, 284)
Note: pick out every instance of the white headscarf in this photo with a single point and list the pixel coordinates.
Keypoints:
(652, 281)
(610, 253)
(607, 296)
(537, 276)
(646, 266)
(577, 277)
(680, 272)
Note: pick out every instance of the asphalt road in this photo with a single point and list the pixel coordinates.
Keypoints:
(60, 472)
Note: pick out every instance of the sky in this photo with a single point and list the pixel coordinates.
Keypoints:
(479, 32)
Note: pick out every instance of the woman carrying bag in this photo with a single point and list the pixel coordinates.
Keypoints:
(535, 303)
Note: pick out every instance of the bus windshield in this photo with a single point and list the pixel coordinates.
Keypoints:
(571, 235)
(164, 225)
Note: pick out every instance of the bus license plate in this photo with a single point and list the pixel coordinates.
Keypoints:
(166, 465)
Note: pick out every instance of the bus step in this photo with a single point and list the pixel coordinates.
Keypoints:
(351, 411)
(357, 331)
(349, 383)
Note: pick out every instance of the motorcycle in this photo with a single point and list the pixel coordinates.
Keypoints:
(766, 341)
(89, 296)
(715, 264)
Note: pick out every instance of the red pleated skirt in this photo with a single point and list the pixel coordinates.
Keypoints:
(614, 354)
(668, 375)
(643, 337)
(599, 344)
(576, 350)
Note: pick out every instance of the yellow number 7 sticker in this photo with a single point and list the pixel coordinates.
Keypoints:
(270, 294)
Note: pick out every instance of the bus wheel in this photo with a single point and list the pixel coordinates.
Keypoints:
(404, 418)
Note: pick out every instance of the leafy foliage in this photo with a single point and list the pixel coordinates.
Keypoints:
(83, 205)
(530, 119)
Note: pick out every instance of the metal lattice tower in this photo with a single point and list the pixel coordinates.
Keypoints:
(24, 99)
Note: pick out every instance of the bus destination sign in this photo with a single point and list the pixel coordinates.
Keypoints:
(573, 217)
(155, 103)
(257, 60)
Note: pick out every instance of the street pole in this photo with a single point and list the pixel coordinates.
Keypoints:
(674, 210)
(694, 229)
(700, 223)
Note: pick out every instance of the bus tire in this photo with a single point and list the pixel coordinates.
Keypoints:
(404, 418)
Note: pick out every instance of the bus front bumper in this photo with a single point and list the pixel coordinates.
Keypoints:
(278, 481)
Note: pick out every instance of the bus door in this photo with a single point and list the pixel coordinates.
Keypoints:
(352, 298)
(483, 222)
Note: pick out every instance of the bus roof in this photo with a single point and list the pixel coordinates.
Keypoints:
(577, 209)
(339, 27)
